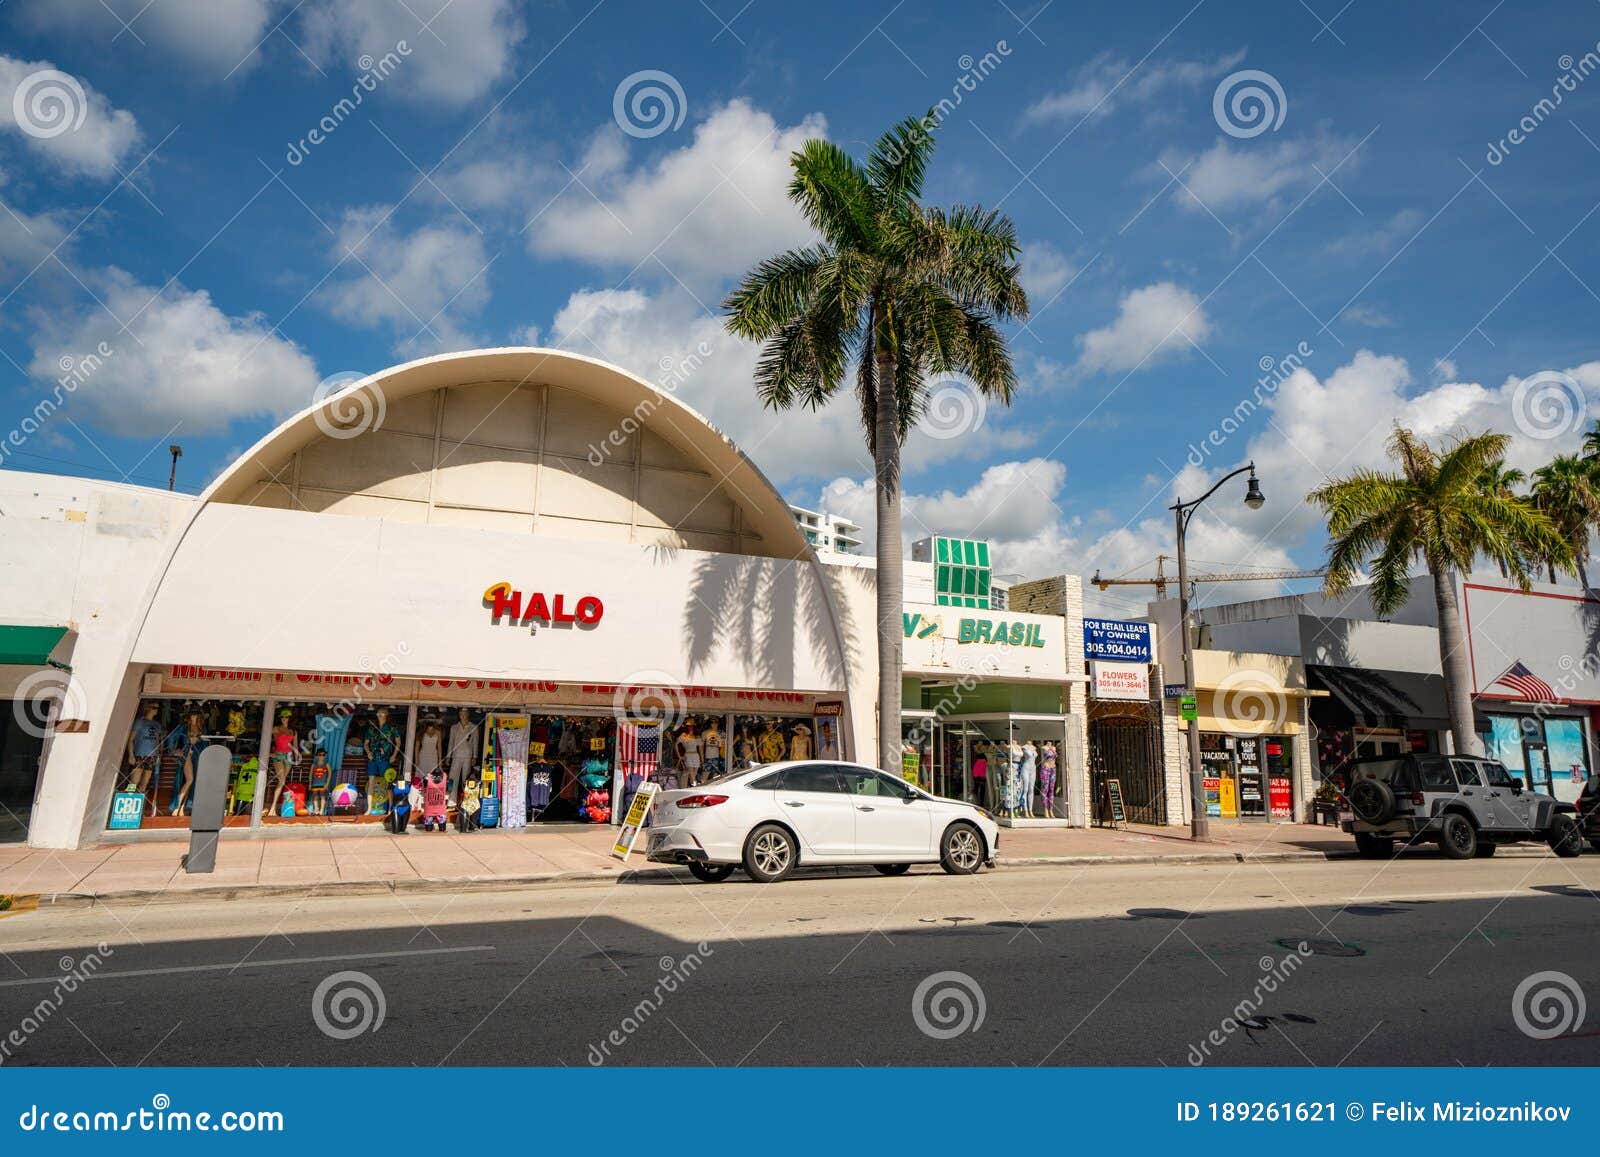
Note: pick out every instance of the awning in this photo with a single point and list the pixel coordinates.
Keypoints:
(28, 646)
(1362, 697)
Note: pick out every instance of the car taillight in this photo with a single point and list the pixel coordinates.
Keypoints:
(1416, 798)
(701, 800)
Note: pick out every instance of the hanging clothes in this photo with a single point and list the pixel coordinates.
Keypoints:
(333, 732)
(541, 781)
(511, 748)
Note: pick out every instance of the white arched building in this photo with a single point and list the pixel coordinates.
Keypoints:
(349, 561)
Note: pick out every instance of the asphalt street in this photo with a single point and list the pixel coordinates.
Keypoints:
(1415, 961)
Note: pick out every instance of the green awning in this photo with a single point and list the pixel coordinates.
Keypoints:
(28, 646)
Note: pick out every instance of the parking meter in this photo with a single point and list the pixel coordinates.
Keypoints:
(210, 802)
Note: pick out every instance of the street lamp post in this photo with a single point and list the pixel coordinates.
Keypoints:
(1199, 824)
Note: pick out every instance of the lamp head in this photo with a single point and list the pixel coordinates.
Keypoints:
(1253, 498)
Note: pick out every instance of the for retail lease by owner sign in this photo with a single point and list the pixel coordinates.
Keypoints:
(1121, 640)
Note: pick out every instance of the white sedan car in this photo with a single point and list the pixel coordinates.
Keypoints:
(773, 818)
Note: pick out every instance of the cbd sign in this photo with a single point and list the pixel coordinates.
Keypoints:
(506, 603)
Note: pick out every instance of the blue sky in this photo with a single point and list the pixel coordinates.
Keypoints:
(484, 191)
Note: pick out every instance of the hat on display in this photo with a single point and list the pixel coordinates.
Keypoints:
(802, 729)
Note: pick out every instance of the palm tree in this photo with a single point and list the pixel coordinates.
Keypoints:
(1434, 510)
(1500, 480)
(1591, 442)
(1568, 490)
(903, 291)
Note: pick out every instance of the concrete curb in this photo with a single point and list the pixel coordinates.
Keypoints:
(147, 896)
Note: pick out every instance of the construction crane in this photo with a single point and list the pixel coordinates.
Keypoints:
(1161, 578)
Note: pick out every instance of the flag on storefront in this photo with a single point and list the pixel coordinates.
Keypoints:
(1526, 684)
(638, 748)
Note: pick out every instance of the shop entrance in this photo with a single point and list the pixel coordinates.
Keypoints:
(1536, 757)
(1126, 746)
(20, 754)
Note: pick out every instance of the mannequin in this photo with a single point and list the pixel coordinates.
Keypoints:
(980, 775)
(744, 750)
(321, 780)
(715, 765)
(463, 748)
(435, 801)
(800, 742)
(1030, 763)
(769, 747)
(144, 748)
(283, 745)
(382, 747)
(399, 806)
(1047, 780)
(430, 748)
(188, 743)
(689, 747)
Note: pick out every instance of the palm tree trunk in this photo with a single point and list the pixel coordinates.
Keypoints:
(1453, 662)
(891, 582)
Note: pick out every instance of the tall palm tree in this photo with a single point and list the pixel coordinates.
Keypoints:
(1434, 510)
(1501, 481)
(1591, 442)
(1567, 489)
(903, 291)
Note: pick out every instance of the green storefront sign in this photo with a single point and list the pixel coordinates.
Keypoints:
(993, 631)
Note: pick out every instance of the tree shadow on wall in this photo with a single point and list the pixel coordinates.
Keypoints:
(761, 609)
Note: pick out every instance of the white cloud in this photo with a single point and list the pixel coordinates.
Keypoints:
(1370, 316)
(26, 240)
(1232, 176)
(459, 49)
(64, 119)
(182, 362)
(218, 35)
(1154, 322)
(706, 210)
(421, 284)
(1045, 269)
(1108, 81)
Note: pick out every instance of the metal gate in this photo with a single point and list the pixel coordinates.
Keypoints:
(1128, 748)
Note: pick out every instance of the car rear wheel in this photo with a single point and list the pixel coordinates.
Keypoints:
(710, 873)
(769, 854)
(1458, 839)
(1374, 847)
(893, 869)
(1566, 838)
(961, 850)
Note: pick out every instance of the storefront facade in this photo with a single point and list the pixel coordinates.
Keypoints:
(518, 557)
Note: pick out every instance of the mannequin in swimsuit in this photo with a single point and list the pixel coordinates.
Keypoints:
(282, 758)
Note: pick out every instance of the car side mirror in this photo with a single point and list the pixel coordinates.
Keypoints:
(911, 798)
(1516, 784)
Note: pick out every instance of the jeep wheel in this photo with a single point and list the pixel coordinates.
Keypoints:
(1458, 839)
(1372, 800)
(1372, 847)
(1566, 838)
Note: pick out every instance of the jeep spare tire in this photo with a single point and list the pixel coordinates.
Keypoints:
(1372, 801)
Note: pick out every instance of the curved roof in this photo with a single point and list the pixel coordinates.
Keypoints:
(662, 413)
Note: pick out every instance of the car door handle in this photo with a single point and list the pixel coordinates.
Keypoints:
(861, 808)
(793, 803)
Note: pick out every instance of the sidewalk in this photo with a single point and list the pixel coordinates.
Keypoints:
(370, 860)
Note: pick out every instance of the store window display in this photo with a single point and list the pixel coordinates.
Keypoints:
(381, 747)
(461, 749)
(144, 749)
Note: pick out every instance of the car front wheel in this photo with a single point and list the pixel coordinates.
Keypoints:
(710, 873)
(1566, 839)
(961, 850)
(769, 854)
(1458, 839)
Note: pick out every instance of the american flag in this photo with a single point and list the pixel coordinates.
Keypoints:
(638, 748)
(1526, 684)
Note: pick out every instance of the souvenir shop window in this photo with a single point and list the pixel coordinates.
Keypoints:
(916, 751)
(364, 750)
(309, 767)
(155, 785)
(546, 769)
(696, 751)
(770, 738)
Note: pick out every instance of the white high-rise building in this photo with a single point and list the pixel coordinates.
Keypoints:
(826, 531)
